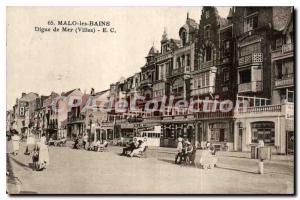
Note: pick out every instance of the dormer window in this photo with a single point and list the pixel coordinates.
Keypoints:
(184, 38)
(207, 14)
(207, 31)
(250, 23)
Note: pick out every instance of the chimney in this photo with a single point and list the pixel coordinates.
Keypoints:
(23, 94)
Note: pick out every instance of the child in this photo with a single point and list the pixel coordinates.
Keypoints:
(35, 158)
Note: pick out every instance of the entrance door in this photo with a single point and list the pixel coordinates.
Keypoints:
(240, 139)
(222, 131)
(290, 142)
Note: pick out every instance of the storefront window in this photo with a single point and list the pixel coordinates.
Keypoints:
(263, 131)
(219, 132)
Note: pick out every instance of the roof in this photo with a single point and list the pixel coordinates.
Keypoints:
(190, 25)
(230, 14)
(289, 22)
(29, 97)
(281, 17)
(222, 21)
(152, 51)
(101, 92)
(69, 92)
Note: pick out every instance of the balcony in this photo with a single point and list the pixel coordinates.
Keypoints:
(259, 109)
(285, 82)
(177, 94)
(287, 50)
(254, 58)
(255, 86)
(208, 64)
(146, 82)
(180, 71)
(74, 119)
(204, 90)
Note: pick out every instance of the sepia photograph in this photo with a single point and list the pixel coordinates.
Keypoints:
(150, 100)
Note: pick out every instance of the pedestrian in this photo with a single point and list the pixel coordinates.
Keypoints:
(30, 143)
(85, 140)
(76, 143)
(179, 151)
(35, 157)
(188, 154)
(139, 149)
(44, 160)
(15, 143)
(132, 146)
(43, 139)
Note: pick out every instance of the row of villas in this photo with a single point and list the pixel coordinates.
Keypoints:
(247, 56)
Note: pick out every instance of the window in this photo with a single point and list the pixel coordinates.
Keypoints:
(188, 62)
(22, 111)
(183, 38)
(219, 132)
(207, 14)
(290, 96)
(207, 31)
(249, 49)
(245, 76)
(208, 54)
(250, 23)
(226, 47)
(178, 63)
(263, 131)
(225, 75)
(278, 43)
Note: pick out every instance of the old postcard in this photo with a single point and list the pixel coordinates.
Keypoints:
(150, 100)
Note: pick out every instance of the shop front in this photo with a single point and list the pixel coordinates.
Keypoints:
(172, 129)
(220, 134)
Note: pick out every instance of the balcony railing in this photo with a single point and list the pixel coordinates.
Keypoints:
(75, 119)
(214, 115)
(269, 108)
(251, 58)
(205, 90)
(180, 71)
(177, 94)
(284, 82)
(286, 49)
(152, 118)
(255, 86)
(146, 82)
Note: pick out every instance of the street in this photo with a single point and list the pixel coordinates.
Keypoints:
(85, 172)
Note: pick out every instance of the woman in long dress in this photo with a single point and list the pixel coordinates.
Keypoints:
(15, 143)
(44, 160)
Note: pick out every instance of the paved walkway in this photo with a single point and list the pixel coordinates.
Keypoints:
(84, 172)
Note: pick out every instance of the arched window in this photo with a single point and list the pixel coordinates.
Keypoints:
(184, 37)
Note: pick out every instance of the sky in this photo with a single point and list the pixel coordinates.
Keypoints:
(61, 61)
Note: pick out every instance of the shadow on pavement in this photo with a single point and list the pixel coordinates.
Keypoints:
(238, 170)
(166, 160)
(26, 167)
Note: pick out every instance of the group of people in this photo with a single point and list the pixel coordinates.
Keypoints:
(91, 146)
(185, 152)
(136, 147)
(37, 150)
